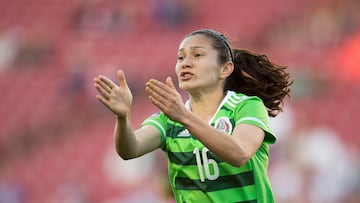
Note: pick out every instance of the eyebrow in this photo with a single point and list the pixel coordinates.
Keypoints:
(194, 47)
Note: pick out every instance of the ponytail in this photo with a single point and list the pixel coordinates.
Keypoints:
(253, 74)
(256, 75)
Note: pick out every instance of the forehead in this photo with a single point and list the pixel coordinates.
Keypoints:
(197, 40)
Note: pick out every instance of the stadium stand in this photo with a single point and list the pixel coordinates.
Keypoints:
(54, 135)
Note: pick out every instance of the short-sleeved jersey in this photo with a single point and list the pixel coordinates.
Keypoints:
(198, 175)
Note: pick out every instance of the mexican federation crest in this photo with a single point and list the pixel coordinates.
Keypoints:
(224, 125)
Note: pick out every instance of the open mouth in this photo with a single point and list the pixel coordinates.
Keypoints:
(186, 75)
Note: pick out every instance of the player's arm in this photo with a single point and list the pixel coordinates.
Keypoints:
(236, 149)
(118, 99)
(131, 144)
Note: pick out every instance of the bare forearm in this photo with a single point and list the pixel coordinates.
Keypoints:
(124, 138)
(225, 147)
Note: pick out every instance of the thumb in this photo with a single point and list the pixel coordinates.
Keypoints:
(170, 83)
(121, 78)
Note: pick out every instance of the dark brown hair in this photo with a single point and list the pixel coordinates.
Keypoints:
(253, 75)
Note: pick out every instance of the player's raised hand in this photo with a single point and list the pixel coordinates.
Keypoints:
(166, 98)
(117, 98)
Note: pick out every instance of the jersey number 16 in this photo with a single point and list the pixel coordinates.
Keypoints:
(202, 158)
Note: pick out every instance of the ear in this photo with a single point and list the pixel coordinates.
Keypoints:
(226, 70)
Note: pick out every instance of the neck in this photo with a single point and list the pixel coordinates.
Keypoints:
(206, 105)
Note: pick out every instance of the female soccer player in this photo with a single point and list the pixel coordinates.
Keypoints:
(217, 143)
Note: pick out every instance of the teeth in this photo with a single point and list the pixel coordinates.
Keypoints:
(185, 74)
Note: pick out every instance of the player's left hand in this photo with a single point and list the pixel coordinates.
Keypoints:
(167, 99)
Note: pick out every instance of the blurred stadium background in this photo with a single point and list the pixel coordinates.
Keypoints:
(56, 139)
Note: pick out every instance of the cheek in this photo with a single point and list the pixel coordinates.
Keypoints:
(212, 76)
(177, 69)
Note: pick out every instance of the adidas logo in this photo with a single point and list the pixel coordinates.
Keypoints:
(184, 133)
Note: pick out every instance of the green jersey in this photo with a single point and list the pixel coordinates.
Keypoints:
(197, 175)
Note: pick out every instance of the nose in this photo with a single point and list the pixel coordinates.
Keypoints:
(186, 63)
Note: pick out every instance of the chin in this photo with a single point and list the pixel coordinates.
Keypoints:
(190, 86)
(183, 87)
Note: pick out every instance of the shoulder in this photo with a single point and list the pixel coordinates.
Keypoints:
(235, 100)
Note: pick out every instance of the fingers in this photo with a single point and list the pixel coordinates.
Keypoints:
(108, 82)
(163, 95)
(102, 86)
(102, 100)
(121, 78)
(157, 103)
(159, 86)
(170, 83)
(158, 89)
(103, 92)
(104, 82)
(157, 94)
(117, 99)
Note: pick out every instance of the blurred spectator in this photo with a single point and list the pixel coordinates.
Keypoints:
(102, 17)
(141, 173)
(316, 149)
(173, 13)
(79, 60)
(312, 165)
(317, 28)
(347, 66)
(118, 171)
(35, 49)
(74, 92)
(11, 191)
(9, 46)
(317, 33)
(70, 192)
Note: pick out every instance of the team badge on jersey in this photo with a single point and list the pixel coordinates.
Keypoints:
(224, 125)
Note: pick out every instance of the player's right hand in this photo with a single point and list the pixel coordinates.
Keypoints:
(117, 98)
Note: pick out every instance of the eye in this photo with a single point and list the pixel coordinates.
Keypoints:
(197, 55)
(180, 58)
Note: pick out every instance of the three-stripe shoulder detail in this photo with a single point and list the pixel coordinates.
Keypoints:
(235, 99)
